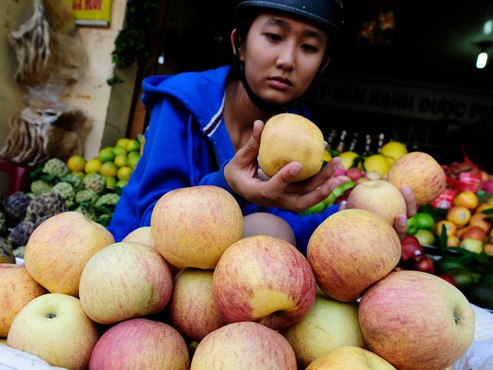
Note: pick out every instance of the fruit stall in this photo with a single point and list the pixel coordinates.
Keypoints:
(209, 295)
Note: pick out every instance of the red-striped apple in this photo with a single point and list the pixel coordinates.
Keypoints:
(244, 346)
(416, 320)
(140, 343)
(125, 280)
(351, 250)
(263, 279)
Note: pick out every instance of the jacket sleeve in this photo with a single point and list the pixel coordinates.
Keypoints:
(165, 164)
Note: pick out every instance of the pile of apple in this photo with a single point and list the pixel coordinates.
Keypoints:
(190, 291)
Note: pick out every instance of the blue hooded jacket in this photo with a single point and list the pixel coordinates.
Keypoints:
(187, 144)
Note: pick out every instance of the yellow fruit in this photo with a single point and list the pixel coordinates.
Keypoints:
(289, 137)
(347, 158)
(108, 169)
(106, 155)
(132, 160)
(76, 163)
(120, 160)
(118, 150)
(327, 155)
(466, 198)
(110, 182)
(377, 163)
(121, 183)
(93, 165)
(122, 142)
(132, 145)
(124, 173)
(394, 149)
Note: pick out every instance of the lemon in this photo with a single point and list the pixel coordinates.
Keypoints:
(108, 169)
(327, 155)
(110, 182)
(121, 183)
(347, 158)
(106, 155)
(132, 160)
(93, 165)
(118, 150)
(132, 146)
(122, 142)
(394, 149)
(124, 173)
(76, 163)
(377, 163)
(121, 160)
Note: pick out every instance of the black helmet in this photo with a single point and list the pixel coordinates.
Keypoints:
(327, 14)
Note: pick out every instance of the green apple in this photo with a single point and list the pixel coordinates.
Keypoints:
(425, 237)
(350, 357)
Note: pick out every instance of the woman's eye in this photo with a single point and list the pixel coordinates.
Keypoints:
(310, 48)
(272, 36)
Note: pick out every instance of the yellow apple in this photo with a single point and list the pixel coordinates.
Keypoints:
(289, 137)
(328, 325)
(193, 226)
(350, 357)
(351, 250)
(60, 247)
(17, 288)
(55, 328)
(380, 197)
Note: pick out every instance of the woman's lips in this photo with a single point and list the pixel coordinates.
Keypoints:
(280, 83)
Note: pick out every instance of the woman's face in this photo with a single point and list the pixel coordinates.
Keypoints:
(282, 56)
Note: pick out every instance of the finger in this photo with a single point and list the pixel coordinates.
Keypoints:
(253, 144)
(400, 225)
(410, 199)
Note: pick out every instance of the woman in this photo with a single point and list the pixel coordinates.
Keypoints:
(205, 127)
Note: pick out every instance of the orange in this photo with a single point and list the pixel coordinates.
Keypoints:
(459, 215)
(108, 169)
(450, 228)
(121, 160)
(106, 155)
(466, 198)
(482, 207)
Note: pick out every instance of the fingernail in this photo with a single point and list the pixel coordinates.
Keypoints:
(406, 189)
(296, 169)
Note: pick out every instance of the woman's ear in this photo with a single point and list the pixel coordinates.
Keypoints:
(237, 44)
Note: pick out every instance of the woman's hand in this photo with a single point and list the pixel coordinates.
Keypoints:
(281, 190)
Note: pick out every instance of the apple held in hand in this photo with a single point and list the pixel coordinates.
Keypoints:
(351, 250)
(416, 320)
(193, 226)
(17, 288)
(60, 247)
(125, 280)
(350, 357)
(263, 279)
(328, 325)
(140, 343)
(244, 346)
(192, 309)
(380, 197)
(55, 328)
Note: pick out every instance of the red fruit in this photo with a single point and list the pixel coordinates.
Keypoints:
(448, 278)
(411, 248)
(425, 264)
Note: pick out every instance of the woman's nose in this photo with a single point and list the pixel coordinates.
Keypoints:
(287, 58)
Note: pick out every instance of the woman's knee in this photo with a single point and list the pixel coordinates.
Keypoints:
(262, 223)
